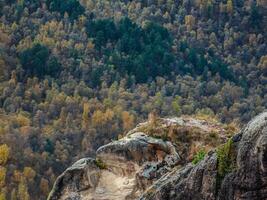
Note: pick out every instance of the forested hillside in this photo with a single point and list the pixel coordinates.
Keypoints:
(75, 75)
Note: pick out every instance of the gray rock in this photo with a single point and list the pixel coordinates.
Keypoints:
(82, 175)
(247, 180)
(142, 167)
(190, 182)
(139, 148)
(123, 169)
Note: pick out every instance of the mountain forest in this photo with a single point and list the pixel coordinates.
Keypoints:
(77, 74)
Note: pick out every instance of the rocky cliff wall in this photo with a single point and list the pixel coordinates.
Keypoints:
(153, 161)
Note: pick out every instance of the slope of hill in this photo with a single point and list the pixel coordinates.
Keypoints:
(75, 75)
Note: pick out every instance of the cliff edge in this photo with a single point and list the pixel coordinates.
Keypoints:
(154, 161)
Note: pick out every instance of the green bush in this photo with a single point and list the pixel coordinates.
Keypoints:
(200, 155)
(225, 161)
(100, 164)
(224, 158)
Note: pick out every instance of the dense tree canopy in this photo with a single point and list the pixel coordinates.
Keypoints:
(72, 7)
(142, 52)
(37, 61)
(147, 52)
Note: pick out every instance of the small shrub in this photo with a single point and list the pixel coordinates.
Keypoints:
(231, 128)
(224, 158)
(199, 156)
(225, 161)
(100, 164)
(212, 137)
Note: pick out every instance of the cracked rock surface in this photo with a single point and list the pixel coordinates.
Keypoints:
(246, 180)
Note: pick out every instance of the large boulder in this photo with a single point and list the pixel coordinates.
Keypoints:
(82, 175)
(122, 169)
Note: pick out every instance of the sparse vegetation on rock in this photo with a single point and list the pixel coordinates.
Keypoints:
(226, 156)
(199, 156)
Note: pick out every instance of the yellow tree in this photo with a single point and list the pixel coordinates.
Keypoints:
(85, 117)
(2, 69)
(127, 120)
(263, 63)
(190, 21)
(97, 118)
(108, 116)
(2, 195)
(229, 6)
(2, 177)
(4, 154)
(17, 176)
(152, 118)
(100, 118)
(13, 194)
(90, 46)
(29, 173)
(23, 120)
(44, 186)
(13, 78)
(23, 190)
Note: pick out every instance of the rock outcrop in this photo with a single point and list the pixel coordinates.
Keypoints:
(237, 170)
(153, 162)
(122, 169)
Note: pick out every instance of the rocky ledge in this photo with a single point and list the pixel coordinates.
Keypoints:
(122, 169)
(153, 162)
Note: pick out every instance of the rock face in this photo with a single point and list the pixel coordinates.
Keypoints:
(249, 179)
(82, 175)
(245, 179)
(151, 163)
(122, 169)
